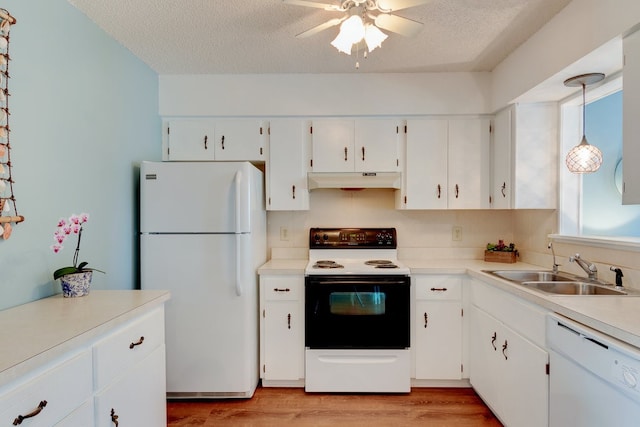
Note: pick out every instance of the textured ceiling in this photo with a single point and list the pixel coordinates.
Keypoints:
(258, 36)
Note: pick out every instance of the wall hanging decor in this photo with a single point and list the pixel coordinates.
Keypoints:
(8, 209)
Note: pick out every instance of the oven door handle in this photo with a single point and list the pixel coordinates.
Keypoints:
(358, 282)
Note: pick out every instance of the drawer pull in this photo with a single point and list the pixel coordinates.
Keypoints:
(114, 417)
(504, 349)
(281, 290)
(139, 342)
(35, 412)
(439, 289)
(426, 319)
(494, 337)
(289, 321)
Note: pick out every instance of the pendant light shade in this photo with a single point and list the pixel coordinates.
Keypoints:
(584, 157)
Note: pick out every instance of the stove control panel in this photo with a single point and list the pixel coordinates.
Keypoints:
(366, 238)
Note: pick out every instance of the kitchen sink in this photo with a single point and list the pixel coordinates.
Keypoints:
(521, 276)
(573, 288)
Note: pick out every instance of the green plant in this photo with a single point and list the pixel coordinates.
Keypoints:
(501, 247)
(66, 228)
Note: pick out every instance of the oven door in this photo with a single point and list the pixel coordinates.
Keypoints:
(343, 312)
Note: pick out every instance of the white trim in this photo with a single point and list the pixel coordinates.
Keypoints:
(631, 244)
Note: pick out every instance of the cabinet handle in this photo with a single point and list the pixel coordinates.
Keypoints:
(345, 154)
(426, 319)
(438, 289)
(439, 191)
(206, 138)
(457, 191)
(504, 187)
(363, 154)
(281, 289)
(31, 414)
(493, 341)
(289, 321)
(293, 191)
(222, 141)
(114, 417)
(139, 342)
(504, 348)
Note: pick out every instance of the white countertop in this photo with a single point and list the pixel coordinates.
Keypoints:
(38, 332)
(617, 316)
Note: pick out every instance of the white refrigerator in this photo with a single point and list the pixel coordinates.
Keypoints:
(202, 237)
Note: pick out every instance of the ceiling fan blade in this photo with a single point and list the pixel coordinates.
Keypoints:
(325, 6)
(393, 5)
(315, 30)
(397, 24)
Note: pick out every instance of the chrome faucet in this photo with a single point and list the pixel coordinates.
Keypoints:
(589, 267)
(555, 264)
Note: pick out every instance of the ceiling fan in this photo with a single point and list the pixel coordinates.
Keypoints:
(362, 20)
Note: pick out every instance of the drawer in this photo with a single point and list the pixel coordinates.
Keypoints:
(58, 391)
(437, 287)
(83, 416)
(282, 288)
(122, 349)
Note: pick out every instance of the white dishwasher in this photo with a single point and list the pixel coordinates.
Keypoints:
(594, 378)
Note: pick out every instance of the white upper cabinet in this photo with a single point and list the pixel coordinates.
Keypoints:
(630, 122)
(286, 168)
(501, 182)
(446, 164)
(355, 146)
(208, 139)
(525, 157)
(376, 145)
(426, 165)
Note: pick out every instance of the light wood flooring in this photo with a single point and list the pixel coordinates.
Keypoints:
(459, 407)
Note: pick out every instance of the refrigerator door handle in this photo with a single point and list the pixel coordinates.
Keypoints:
(238, 189)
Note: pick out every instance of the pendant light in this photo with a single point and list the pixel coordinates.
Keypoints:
(584, 157)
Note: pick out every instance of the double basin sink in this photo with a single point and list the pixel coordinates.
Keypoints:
(557, 283)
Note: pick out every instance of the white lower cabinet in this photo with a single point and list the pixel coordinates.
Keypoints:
(49, 397)
(137, 397)
(117, 375)
(507, 370)
(281, 329)
(437, 342)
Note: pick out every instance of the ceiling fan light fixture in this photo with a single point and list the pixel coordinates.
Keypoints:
(373, 37)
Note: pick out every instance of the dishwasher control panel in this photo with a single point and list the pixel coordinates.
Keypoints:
(626, 371)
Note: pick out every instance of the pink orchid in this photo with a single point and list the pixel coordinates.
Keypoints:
(56, 248)
(84, 217)
(75, 228)
(74, 219)
(59, 237)
(62, 222)
(66, 229)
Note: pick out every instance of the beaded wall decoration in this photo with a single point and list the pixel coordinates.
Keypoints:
(8, 208)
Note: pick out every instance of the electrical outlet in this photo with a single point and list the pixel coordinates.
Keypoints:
(456, 233)
(284, 233)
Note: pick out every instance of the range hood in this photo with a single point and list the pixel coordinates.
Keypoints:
(354, 180)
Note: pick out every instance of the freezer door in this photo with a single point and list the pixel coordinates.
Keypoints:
(196, 197)
(211, 318)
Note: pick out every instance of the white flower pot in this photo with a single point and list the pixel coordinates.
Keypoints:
(76, 284)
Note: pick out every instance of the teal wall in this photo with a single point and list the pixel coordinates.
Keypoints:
(602, 211)
(84, 113)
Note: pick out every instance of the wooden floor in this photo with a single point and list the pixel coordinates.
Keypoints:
(458, 407)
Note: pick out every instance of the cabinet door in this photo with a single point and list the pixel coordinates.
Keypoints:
(525, 387)
(332, 145)
(426, 164)
(137, 397)
(468, 175)
(287, 166)
(438, 346)
(376, 146)
(284, 342)
(501, 184)
(485, 375)
(191, 140)
(240, 140)
(630, 122)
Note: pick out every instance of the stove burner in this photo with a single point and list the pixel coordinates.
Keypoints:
(378, 262)
(386, 266)
(323, 263)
